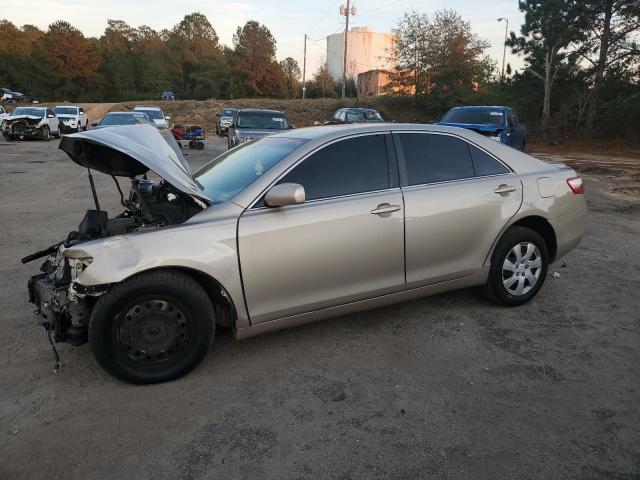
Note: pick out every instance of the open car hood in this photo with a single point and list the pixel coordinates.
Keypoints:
(131, 150)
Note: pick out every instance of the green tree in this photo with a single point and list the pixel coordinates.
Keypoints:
(408, 52)
(194, 43)
(63, 50)
(441, 55)
(549, 29)
(292, 76)
(324, 81)
(610, 44)
(254, 59)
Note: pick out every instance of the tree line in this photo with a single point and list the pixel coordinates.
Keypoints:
(129, 63)
(581, 73)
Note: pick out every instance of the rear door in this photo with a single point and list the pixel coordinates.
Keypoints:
(344, 244)
(457, 200)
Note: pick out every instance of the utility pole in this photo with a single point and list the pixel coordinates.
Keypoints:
(504, 48)
(346, 12)
(304, 68)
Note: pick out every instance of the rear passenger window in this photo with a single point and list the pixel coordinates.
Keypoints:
(355, 165)
(484, 164)
(433, 158)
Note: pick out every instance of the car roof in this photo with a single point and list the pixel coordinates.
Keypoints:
(66, 106)
(123, 113)
(146, 107)
(358, 110)
(259, 110)
(481, 107)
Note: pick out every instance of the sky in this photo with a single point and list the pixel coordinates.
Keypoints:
(288, 20)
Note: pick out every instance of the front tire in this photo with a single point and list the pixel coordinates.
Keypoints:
(46, 135)
(154, 327)
(519, 266)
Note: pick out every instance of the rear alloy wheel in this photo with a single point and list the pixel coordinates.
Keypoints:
(518, 267)
(152, 328)
(45, 134)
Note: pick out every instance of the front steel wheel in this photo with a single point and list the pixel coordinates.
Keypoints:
(518, 267)
(154, 327)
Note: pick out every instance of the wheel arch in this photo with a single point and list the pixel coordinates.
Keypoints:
(223, 304)
(541, 226)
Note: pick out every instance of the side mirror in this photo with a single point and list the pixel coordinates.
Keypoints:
(81, 113)
(94, 124)
(51, 116)
(285, 194)
(167, 117)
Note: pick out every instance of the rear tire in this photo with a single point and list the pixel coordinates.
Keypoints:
(519, 266)
(154, 327)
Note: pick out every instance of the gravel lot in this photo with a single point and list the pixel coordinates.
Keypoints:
(445, 387)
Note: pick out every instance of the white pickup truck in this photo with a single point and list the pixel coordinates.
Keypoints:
(72, 118)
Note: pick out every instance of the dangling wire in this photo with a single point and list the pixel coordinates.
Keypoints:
(59, 363)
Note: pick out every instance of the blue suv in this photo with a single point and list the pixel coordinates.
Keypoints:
(499, 123)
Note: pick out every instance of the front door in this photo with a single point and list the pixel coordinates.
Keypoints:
(345, 243)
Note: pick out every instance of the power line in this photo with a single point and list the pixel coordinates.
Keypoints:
(380, 8)
(317, 22)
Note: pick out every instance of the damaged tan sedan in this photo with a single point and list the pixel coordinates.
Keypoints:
(292, 228)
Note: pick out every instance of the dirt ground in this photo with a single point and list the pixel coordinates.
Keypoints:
(448, 387)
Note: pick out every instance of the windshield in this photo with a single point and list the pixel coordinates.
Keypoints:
(34, 112)
(121, 119)
(65, 110)
(155, 114)
(230, 173)
(227, 113)
(371, 116)
(477, 116)
(262, 120)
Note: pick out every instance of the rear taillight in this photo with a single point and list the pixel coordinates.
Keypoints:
(576, 185)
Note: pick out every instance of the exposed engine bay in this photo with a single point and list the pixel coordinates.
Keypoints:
(63, 306)
(64, 312)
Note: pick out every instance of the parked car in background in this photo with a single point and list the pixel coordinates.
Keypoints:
(11, 96)
(224, 119)
(156, 114)
(250, 123)
(356, 115)
(292, 228)
(31, 122)
(123, 118)
(3, 114)
(496, 122)
(168, 96)
(73, 118)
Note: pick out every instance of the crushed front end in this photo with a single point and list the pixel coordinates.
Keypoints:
(22, 127)
(64, 314)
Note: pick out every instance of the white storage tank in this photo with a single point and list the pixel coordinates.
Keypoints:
(366, 50)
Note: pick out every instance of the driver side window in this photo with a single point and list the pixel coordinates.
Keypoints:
(346, 167)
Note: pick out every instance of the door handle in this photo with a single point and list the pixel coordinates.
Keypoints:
(504, 189)
(385, 208)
